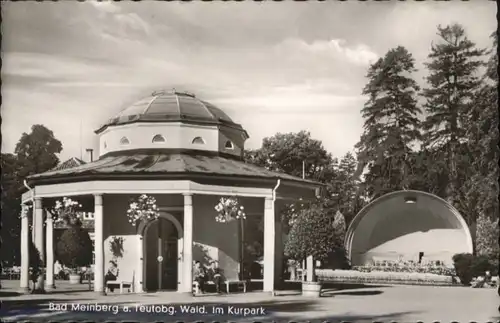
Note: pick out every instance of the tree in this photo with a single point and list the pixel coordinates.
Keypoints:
(487, 237)
(293, 154)
(312, 234)
(482, 132)
(296, 154)
(74, 248)
(391, 124)
(11, 209)
(346, 194)
(37, 151)
(452, 83)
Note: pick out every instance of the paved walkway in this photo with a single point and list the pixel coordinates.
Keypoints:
(354, 303)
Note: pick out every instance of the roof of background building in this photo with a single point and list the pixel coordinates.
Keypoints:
(70, 163)
(171, 106)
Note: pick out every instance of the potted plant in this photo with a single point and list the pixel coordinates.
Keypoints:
(74, 250)
(312, 234)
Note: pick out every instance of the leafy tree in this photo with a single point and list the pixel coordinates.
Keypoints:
(482, 187)
(288, 153)
(11, 209)
(487, 235)
(312, 234)
(74, 248)
(391, 123)
(452, 82)
(37, 151)
(295, 154)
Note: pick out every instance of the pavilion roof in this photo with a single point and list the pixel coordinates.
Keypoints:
(164, 162)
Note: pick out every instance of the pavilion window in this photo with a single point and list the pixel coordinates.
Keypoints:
(229, 145)
(198, 141)
(158, 139)
(124, 141)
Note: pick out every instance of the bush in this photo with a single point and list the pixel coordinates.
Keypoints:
(469, 266)
(74, 248)
(482, 264)
(463, 263)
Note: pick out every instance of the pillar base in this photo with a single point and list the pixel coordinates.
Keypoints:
(101, 293)
(50, 287)
(24, 290)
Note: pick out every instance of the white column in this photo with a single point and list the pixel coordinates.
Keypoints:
(269, 245)
(310, 268)
(99, 245)
(25, 251)
(49, 284)
(140, 268)
(187, 266)
(39, 240)
(33, 223)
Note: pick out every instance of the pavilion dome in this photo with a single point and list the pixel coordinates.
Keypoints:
(171, 106)
(172, 120)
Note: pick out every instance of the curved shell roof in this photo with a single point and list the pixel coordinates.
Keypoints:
(171, 106)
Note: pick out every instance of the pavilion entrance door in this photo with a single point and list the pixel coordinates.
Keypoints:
(162, 256)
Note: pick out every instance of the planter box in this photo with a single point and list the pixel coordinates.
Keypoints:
(74, 279)
(311, 289)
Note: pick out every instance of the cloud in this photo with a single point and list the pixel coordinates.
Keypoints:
(359, 54)
(270, 66)
(105, 6)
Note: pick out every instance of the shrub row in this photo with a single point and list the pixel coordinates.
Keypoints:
(384, 277)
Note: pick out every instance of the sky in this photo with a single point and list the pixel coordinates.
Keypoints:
(272, 66)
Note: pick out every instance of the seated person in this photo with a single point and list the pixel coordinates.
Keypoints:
(199, 275)
(215, 275)
(112, 274)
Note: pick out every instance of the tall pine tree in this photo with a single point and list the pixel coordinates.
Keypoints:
(391, 123)
(452, 81)
(345, 188)
(482, 187)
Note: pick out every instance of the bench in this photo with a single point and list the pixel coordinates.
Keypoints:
(122, 284)
(239, 284)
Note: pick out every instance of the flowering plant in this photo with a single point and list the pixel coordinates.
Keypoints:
(407, 267)
(142, 208)
(229, 209)
(67, 211)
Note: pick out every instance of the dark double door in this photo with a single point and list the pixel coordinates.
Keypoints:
(162, 256)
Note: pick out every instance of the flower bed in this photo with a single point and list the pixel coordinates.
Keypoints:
(384, 277)
(408, 267)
